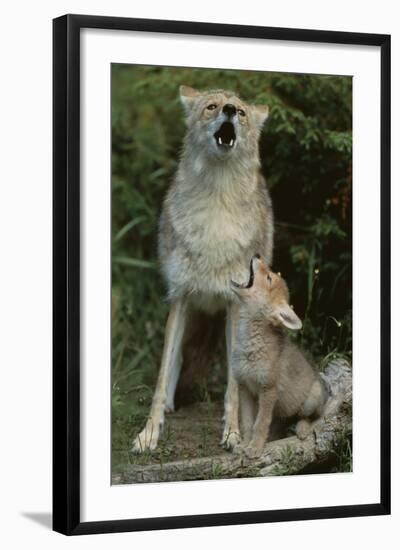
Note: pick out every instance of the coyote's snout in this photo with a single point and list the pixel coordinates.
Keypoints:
(217, 212)
(274, 376)
(221, 123)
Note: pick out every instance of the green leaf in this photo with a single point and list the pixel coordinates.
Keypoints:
(134, 262)
(127, 227)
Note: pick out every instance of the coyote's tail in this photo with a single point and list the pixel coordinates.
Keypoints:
(202, 343)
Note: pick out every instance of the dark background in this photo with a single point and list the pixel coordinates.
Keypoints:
(306, 151)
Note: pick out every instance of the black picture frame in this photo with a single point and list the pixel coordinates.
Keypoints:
(66, 273)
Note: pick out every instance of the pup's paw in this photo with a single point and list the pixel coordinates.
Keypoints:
(303, 429)
(147, 440)
(230, 440)
(253, 451)
(238, 449)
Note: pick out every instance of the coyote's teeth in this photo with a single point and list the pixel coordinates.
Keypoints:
(231, 143)
(219, 141)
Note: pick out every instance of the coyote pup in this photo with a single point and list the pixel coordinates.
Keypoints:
(270, 369)
(216, 213)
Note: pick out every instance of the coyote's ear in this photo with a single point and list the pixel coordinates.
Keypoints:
(287, 316)
(260, 114)
(188, 95)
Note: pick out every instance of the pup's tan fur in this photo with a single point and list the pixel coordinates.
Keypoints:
(216, 214)
(270, 369)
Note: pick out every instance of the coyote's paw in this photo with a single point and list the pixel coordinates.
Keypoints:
(147, 440)
(169, 407)
(230, 440)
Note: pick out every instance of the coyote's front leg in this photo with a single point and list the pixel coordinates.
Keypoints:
(231, 434)
(168, 375)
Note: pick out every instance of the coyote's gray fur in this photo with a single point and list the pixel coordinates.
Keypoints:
(216, 215)
(274, 377)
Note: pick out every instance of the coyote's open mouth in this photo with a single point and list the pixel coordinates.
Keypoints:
(225, 136)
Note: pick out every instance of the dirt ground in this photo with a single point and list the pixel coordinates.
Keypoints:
(193, 431)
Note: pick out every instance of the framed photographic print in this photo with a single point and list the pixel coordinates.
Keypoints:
(221, 274)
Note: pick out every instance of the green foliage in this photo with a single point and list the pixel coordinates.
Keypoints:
(306, 151)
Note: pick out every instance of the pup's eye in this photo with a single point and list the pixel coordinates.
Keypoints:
(241, 112)
(211, 107)
(269, 278)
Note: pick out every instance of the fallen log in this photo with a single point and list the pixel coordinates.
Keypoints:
(289, 455)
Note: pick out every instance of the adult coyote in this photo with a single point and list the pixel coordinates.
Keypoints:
(217, 214)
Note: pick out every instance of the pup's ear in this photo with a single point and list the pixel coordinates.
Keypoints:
(260, 114)
(287, 316)
(188, 95)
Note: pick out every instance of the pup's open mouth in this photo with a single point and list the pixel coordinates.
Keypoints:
(225, 136)
(251, 277)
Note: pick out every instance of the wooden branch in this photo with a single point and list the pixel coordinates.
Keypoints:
(284, 456)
